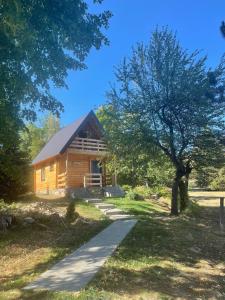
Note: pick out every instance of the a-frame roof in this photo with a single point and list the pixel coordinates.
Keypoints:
(59, 142)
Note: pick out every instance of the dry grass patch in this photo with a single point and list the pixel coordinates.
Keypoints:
(26, 251)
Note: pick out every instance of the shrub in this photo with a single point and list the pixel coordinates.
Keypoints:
(143, 191)
(204, 176)
(126, 187)
(5, 207)
(161, 191)
(71, 213)
(131, 195)
(218, 183)
(147, 192)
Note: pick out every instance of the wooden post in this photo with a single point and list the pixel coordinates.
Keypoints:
(221, 213)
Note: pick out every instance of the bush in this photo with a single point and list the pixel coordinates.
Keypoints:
(218, 183)
(126, 187)
(161, 191)
(131, 195)
(143, 191)
(5, 207)
(147, 192)
(204, 176)
(71, 213)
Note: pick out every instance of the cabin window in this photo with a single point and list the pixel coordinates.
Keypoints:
(43, 174)
(51, 167)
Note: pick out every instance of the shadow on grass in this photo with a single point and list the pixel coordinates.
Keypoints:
(139, 208)
(176, 257)
(168, 282)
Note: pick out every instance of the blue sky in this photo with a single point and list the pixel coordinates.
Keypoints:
(195, 21)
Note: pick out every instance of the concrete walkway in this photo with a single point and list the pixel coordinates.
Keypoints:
(77, 269)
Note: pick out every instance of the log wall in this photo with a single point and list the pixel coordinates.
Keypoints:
(74, 165)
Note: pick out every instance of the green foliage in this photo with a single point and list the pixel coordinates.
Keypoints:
(6, 208)
(41, 42)
(14, 168)
(166, 102)
(133, 163)
(218, 182)
(131, 195)
(35, 137)
(126, 187)
(144, 191)
(160, 173)
(71, 213)
(204, 176)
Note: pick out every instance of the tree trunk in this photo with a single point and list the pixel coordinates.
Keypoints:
(174, 200)
(183, 192)
(187, 181)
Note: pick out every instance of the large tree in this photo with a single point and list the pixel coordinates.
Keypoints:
(133, 163)
(169, 98)
(39, 42)
(13, 160)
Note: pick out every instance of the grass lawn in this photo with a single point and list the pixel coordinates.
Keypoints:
(25, 252)
(163, 257)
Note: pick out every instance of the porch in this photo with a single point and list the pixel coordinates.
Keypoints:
(64, 180)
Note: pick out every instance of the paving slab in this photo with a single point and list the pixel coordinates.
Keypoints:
(77, 269)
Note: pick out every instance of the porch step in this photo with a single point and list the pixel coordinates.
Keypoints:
(93, 200)
(113, 211)
(104, 206)
(109, 210)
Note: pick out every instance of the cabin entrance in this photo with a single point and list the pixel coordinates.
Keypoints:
(94, 178)
(96, 167)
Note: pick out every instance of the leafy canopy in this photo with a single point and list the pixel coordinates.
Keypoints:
(165, 95)
(166, 98)
(40, 42)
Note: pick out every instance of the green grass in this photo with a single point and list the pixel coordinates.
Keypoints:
(155, 261)
(139, 208)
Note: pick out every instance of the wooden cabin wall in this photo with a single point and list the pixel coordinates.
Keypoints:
(78, 166)
(50, 177)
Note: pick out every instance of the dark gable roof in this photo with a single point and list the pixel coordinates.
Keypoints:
(58, 143)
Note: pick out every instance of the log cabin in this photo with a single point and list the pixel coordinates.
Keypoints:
(73, 158)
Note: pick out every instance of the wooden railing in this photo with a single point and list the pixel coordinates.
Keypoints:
(88, 145)
(93, 179)
(61, 183)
